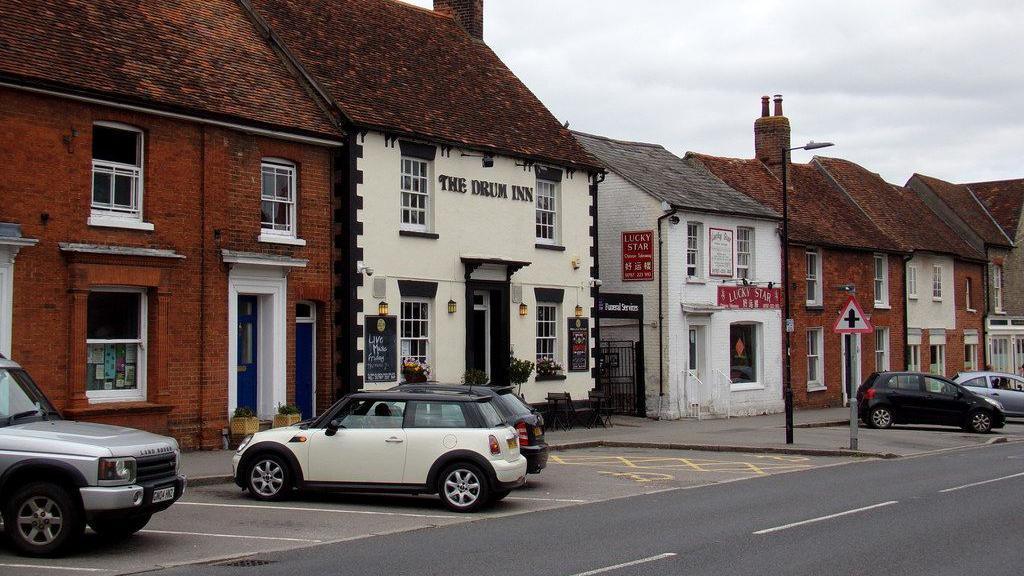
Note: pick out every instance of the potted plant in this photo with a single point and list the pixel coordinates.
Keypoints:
(474, 377)
(287, 414)
(244, 422)
(548, 369)
(519, 372)
(414, 371)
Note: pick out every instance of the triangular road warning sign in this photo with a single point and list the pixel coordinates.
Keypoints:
(852, 319)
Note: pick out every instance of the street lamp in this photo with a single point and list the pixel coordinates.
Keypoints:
(786, 287)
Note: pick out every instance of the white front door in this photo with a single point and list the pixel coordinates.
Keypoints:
(369, 446)
(854, 364)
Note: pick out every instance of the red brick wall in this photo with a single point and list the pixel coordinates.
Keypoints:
(838, 268)
(965, 319)
(45, 182)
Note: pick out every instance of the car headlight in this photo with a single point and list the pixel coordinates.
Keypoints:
(244, 443)
(994, 403)
(117, 469)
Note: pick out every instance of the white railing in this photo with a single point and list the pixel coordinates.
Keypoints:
(710, 399)
(692, 393)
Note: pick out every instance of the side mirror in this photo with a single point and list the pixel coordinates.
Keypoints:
(332, 428)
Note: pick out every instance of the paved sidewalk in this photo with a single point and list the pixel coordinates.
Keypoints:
(818, 432)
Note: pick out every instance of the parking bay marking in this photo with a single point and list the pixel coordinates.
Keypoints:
(829, 517)
(304, 509)
(627, 564)
(64, 568)
(973, 484)
(209, 535)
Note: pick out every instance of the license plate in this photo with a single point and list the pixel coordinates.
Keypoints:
(163, 494)
(513, 443)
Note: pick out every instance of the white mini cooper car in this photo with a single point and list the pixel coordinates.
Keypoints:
(453, 444)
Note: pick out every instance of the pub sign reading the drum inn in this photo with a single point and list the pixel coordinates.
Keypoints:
(638, 256)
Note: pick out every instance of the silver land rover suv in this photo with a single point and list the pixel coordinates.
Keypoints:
(56, 475)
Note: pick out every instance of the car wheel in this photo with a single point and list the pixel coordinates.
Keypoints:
(979, 421)
(121, 528)
(880, 417)
(42, 519)
(463, 487)
(268, 477)
(500, 495)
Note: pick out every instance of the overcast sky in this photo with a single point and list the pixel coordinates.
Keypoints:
(929, 86)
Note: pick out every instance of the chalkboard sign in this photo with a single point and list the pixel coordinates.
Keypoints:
(381, 345)
(579, 344)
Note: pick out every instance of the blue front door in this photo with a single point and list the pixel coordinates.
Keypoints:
(304, 368)
(248, 330)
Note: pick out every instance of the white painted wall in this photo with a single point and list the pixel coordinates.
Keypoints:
(477, 226)
(926, 312)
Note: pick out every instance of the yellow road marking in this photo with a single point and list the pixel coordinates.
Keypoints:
(774, 463)
(640, 476)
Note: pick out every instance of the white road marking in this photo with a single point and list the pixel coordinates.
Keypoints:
(305, 509)
(973, 484)
(240, 536)
(570, 500)
(66, 568)
(627, 564)
(829, 517)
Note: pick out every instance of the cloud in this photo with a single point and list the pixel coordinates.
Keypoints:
(928, 86)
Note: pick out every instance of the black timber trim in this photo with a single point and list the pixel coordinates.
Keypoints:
(595, 272)
(417, 150)
(549, 247)
(415, 234)
(549, 174)
(417, 288)
(347, 229)
(549, 294)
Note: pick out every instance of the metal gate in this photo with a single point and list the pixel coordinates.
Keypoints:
(618, 376)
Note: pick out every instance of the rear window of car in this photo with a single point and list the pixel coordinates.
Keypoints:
(438, 415)
(906, 382)
(977, 382)
(490, 415)
(513, 405)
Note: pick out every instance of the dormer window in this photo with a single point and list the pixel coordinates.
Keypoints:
(117, 176)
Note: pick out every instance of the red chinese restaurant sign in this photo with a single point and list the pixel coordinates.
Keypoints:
(749, 297)
(638, 256)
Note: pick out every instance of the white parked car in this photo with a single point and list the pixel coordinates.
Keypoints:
(1007, 389)
(455, 445)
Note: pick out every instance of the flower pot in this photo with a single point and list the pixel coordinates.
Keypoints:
(245, 426)
(282, 420)
(417, 378)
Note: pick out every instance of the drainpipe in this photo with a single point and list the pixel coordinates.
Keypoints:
(906, 316)
(983, 336)
(661, 310)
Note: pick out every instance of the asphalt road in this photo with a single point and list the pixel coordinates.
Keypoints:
(954, 513)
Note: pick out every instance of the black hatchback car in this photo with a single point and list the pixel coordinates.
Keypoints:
(527, 421)
(888, 398)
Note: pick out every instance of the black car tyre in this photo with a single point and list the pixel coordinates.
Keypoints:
(979, 421)
(499, 495)
(880, 417)
(120, 528)
(43, 519)
(463, 487)
(268, 477)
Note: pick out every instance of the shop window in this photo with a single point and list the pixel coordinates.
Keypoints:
(815, 344)
(744, 352)
(813, 277)
(744, 252)
(694, 260)
(277, 206)
(116, 343)
(415, 194)
(547, 332)
(913, 358)
(415, 330)
(116, 171)
(936, 282)
(881, 280)
(881, 349)
(997, 288)
(547, 212)
(912, 282)
(937, 353)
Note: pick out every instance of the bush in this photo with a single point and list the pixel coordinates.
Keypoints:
(475, 378)
(519, 371)
(244, 412)
(288, 409)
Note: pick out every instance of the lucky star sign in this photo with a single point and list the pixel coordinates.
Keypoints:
(852, 319)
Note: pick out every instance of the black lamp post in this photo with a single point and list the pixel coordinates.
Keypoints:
(786, 287)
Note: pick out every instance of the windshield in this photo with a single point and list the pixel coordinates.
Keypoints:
(20, 400)
(514, 405)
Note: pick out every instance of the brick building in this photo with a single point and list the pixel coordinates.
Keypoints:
(167, 240)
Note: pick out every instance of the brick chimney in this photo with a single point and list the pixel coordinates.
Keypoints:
(468, 13)
(771, 135)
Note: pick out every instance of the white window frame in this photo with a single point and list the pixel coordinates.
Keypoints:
(544, 335)
(139, 393)
(694, 249)
(424, 193)
(882, 359)
(970, 357)
(968, 293)
(913, 357)
(937, 282)
(997, 288)
(941, 349)
(881, 282)
(404, 321)
(814, 295)
(817, 337)
(745, 270)
(912, 282)
(546, 216)
(108, 215)
(278, 167)
(758, 383)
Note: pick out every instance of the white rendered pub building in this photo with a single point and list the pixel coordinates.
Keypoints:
(705, 261)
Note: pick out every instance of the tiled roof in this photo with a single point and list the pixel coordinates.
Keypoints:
(819, 213)
(205, 58)
(667, 177)
(1003, 199)
(399, 68)
(900, 212)
(969, 208)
